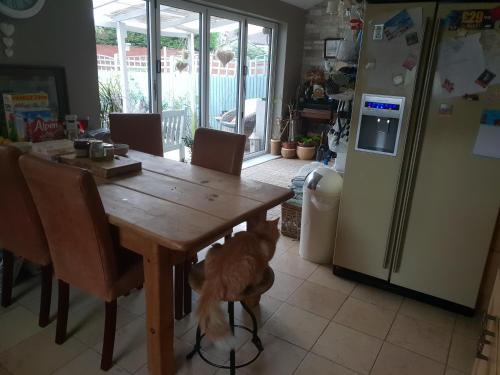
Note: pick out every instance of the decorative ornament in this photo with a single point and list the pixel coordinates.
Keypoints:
(181, 65)
(224, 56)
(7, 29)
(21, 8)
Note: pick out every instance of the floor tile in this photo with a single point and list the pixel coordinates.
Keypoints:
(293, 265)
(314, 364)
(297, 326)
(278, 358)
(294, 249)
(462, 353)
(88, 363)
(393, 360)
(195, 366)
(348, 347)
(324, 276)
(428, 313)
(135, 302)
(452, 371)
(17, 325)
(468, 326)
(284, 285)
(266, 308)
(45, 356)
(378, 297)
(317, 299)
(185, 324)
(365, 317)
(130, 346)
(285, 242)
(86, 322)
(419, 336)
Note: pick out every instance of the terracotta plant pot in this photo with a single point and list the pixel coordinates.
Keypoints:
(275, 147)
(288, 153)
(289, 145)
(306, 152)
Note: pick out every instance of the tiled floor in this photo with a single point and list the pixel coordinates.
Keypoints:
(312, 322)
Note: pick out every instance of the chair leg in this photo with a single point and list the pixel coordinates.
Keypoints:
(7, 277)
(232, 354)
(46, 296)
(109, 336)
(62, 311)
(179, 291)
(227, 237)
(187, 288)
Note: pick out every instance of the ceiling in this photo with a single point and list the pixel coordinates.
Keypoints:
(304, 4)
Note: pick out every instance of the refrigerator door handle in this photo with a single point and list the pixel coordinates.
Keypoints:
(396, 219)
(416, 147)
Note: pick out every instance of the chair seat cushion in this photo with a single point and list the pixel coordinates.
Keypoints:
(197, 278)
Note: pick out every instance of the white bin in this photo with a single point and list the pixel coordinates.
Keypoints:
(320, 208)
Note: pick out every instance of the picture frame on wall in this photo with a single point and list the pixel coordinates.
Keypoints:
(332, 47)
(23, 79)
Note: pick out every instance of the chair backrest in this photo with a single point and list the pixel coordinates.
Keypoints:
(75, 224)
(21, 230)
(141, 131)
(174, 124)
(218, 150)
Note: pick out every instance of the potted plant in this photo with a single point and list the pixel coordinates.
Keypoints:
(279, 127)
(306, 147)
(289, 148)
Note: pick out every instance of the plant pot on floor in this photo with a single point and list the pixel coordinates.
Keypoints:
(275, 146)
(306, 152)
(289, 153)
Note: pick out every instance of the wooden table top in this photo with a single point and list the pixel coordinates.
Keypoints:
(180, 205)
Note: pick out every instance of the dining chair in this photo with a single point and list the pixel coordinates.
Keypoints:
(220, 151)
(141, 131)
(83, 245)
(21, 231)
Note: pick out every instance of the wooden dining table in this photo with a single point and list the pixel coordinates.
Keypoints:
(167, 213)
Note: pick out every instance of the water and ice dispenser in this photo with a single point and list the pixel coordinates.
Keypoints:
(380, 123)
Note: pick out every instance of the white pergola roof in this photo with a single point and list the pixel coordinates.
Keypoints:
(174, 22)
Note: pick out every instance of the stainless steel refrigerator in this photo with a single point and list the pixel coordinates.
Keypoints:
(421, 192)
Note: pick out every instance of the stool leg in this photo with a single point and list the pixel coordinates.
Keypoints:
(255, 339)
(197, 345)
(232, 355)
(7, 277)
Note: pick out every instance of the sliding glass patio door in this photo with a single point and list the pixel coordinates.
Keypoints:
(216, 66)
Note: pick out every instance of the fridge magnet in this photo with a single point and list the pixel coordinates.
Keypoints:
(485, 78)
(471, 97)
(448, 85)
(445, 109)
(473, 19)
(398, 79)
(378, 32)
(488, 137)
(410, 62)
(411, 38)
(398, 25)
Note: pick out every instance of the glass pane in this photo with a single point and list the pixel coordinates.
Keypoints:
(256, 87)
(122, 56)
(180, 68)
(223, 74)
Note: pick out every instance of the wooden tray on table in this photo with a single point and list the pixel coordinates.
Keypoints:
(105, 169)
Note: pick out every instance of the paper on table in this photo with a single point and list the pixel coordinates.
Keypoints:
(488, 137)
(461, 62)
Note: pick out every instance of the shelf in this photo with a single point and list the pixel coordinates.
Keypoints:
(319, 114)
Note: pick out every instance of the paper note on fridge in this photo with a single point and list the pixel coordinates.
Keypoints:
(461, 64)
(488, 136)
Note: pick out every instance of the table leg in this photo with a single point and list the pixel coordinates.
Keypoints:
(159, 311)
(252, 222)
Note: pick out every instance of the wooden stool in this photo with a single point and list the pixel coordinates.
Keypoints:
(196, 280)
